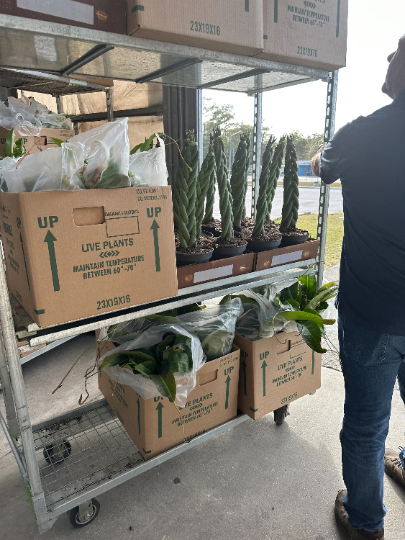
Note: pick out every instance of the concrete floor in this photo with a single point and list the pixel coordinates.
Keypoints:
(255, 482)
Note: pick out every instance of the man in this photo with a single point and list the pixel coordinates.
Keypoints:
(368, 155)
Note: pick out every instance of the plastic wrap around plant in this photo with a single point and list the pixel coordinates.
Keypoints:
(214, 326)
(34, 172)
(149, 168)
(147, 385)
(98, 158)
(30, 116)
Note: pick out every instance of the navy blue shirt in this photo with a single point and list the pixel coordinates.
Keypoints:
(368, 155)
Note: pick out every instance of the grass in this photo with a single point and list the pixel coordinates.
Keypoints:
(334, 236)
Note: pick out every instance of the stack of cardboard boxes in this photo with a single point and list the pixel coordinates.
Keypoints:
(303, 32)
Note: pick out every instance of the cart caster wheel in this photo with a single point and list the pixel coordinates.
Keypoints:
(56, 453)
(280, 415)
(83, 515)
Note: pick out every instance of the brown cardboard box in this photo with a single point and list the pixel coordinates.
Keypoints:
(286, 255)
(37, 144)
(275, 371)
(76, 254)
(307, 33)
(194, 274)
(154, 424)
(234, 26)
(106, 15)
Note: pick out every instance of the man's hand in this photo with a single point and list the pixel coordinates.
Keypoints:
(315, 161)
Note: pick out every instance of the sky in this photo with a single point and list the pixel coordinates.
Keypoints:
(375, 27)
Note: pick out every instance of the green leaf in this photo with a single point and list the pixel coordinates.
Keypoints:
(300, 316)
(312, 335)
(19, 148)
(146, 368)
(9, 144)
(163, 345)
(178, 361)
(329, 322)
(323, 295)
(293, 303)
(322, 306)
(143, 147)
(308, 286)
(215, 343)
(166, 384)
(313, 311)
(58, 142)
(293, 292)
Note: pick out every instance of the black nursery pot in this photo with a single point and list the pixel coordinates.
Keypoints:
(215, 232)
(294, 239)
(224, 252)
(263, 245)
(183, 259)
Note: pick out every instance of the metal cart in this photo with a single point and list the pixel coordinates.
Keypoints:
(66, 462)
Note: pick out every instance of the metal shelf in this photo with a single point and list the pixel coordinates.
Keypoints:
(45, 83)
(102, 456)
(60, 49)
(186, 296)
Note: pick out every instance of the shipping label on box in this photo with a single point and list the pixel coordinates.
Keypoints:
(155, 424)
(306, 32)
(286, 255)
(72, 255)
(234, 26)
(275, 371)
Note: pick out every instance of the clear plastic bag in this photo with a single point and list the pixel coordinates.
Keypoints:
(98, 158)
(185, 382)
(35, 172)
(7, 163)
(27, 111)
(149, 168)
(214, 326)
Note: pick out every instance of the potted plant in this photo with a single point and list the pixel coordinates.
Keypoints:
(188, 204)
(239, 181)
(227, 245)
(288, 226)
(265, 236)
(209, 224)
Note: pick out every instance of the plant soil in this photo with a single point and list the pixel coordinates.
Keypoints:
(233, 242)
(296, 232)
(204, 245)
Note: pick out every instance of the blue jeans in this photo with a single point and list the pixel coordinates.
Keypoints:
(371, 362)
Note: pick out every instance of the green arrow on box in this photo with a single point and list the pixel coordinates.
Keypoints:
(50, 239)
(264, 365)
(244, 365)
(228, 381)
(155, 228)
(160, 419)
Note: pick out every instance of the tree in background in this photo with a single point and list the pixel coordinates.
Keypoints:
(307, 146)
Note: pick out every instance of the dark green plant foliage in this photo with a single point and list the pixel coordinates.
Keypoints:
(291, 192)
(239, 181)
(275, 168)
(185, 206)
(206, 177)
(303, 303)
(13, 148)
(225, 197)
(158, 363)
(262, 204)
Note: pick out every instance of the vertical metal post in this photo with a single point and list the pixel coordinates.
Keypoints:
(200, 129)
(110, 105)
(20, 398)
(58, 104)
(325, 189)
(8, 394)
(257, 149)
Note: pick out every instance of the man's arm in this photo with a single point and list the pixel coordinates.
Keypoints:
(316, 161)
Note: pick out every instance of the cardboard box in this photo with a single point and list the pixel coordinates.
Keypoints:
(307, 33)
(286, 255)
(37, 144)
(76, 254)
(233, 26)
(275, 371)
(194, 274)
(106, 15)
(154, 424)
